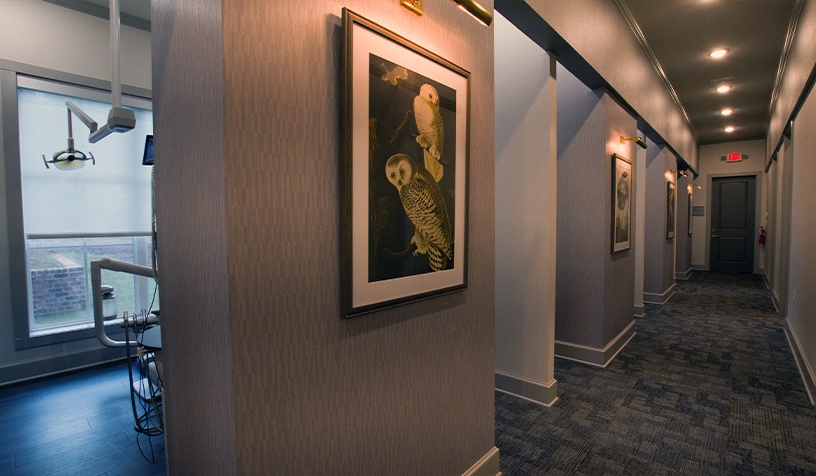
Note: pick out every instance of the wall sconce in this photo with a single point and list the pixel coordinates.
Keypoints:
(638, 140)
(415, 6)
(476, 11)
(682, 172)
(700, 187)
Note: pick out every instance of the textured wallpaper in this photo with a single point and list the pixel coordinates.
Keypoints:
(407, 390)
(659, 252)
(594, 287)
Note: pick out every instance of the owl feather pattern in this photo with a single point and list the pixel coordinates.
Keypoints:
(423, 203)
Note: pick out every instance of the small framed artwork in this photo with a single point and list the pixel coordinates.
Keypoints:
(670, 208)
(406, 125)
(690, 209)
(621, 203)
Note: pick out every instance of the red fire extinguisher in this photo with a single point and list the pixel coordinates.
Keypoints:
(761, 235)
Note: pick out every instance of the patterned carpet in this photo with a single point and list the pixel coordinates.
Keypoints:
(707, 386)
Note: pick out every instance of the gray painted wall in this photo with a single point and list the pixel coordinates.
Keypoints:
(526, 186)
(801, 298)
(682, 239)
(800, 65)
(594, 289)
(777, 255)
(35, 38)
(659, 252)
(615, 55)
(263, 376)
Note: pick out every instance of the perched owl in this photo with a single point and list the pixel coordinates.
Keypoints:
(425, 207)
(431, 131)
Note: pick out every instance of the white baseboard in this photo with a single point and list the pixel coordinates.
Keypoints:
(639, 311)
(765, 278)
(805, 370)
(683, 275)
(542, 393)
(593, 355)
(488, 465)
(662, 298)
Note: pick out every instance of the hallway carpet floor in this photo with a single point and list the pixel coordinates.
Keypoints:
(708, 385)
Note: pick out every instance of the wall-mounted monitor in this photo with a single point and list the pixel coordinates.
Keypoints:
(147, 158)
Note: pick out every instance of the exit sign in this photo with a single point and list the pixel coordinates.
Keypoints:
(734, 157)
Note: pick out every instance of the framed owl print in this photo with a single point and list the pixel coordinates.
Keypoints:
(406, 168)
(670, 209)
(621, 203)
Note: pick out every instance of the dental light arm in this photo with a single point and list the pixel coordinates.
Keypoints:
(120, 119)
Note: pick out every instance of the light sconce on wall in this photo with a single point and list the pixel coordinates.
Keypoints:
(638, 140)
(476, 11)
(679, 172)
(415, 6)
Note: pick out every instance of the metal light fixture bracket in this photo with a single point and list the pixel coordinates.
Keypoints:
(416, 6)
(638, 140)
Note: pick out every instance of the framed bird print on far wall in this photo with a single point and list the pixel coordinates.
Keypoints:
(406, 133)
(621, 203)
(670, 210)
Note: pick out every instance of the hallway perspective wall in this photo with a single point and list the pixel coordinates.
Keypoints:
(801, 297)
(594, 288)
(777, 256)
(659, 261)
(612, 59)
(263, 375)
(526, 183)
(682, 249)
(712, 165)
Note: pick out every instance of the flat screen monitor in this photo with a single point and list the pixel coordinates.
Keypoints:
(147, 158)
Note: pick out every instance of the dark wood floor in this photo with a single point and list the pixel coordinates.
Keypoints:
(78, 423)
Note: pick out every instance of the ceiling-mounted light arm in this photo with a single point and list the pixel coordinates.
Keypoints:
(119, 119)
(476, 11)
(116, 82)
(70, 158)
(638, 140)
(85, 118)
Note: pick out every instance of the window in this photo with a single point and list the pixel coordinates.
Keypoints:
(66, 219)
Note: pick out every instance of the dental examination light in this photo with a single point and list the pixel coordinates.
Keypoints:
(120, 119)
(71, 158)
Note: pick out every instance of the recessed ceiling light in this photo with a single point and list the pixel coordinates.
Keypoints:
(729, 129)
(727, 111)
(723, 88)
(718, 53)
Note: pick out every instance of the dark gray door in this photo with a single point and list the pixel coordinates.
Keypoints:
(733, 203)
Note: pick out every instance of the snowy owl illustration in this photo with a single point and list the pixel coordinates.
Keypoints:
(431, 131)
(425, 207)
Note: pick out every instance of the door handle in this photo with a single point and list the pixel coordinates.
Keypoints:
(714, 234)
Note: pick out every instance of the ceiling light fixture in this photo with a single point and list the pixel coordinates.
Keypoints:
(727, 111)
(475, 10)
(729, 129)
(723, 88)
(718, 53)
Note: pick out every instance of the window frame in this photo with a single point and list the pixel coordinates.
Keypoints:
(10, 173)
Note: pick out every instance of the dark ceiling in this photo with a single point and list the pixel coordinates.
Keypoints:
(681, 33)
